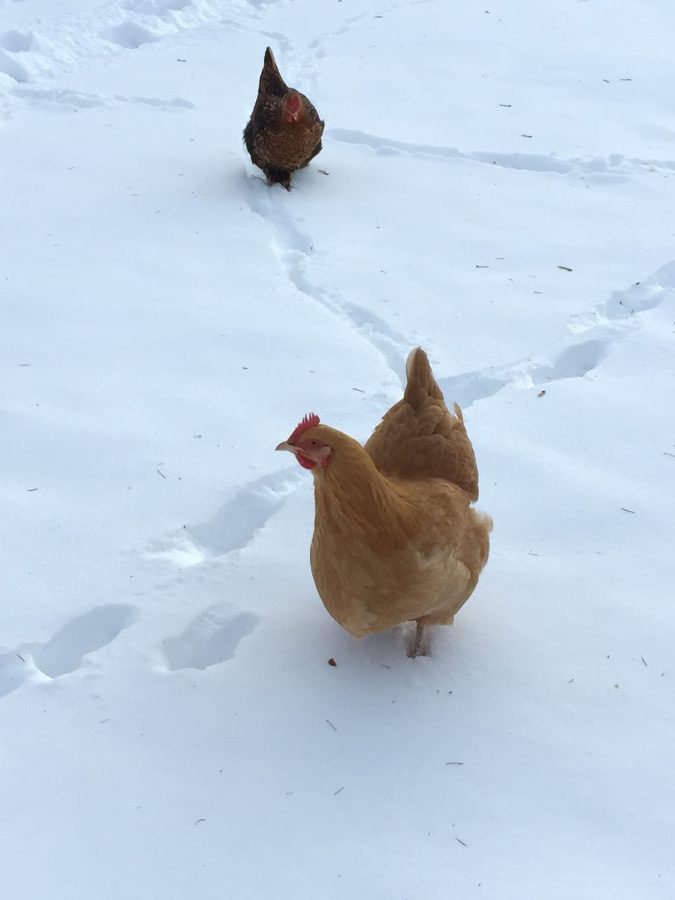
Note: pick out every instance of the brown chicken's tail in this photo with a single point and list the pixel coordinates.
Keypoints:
(421, 382)
(271, 81)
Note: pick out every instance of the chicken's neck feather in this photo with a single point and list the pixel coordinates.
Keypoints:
(352, 494)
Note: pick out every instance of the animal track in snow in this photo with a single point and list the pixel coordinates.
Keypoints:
(13, 671)
(91, 631)
(573, 362)
(69, 99)
(9, 66)
(131, 36)
(370, 326)
(294, 250)
(248, 510)
(642, 296)
(233, 527)
(469, 387)
(593, 334)
(68, 42)
(61, 97)
(615, 166)
(176, 103)
(155, 7)
(302, 68)
(209, 639)
(16, 41)
(572, 359)
(66, 650)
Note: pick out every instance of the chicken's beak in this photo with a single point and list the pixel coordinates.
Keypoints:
(284, 445)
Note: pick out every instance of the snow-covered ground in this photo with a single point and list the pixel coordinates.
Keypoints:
(497, 184)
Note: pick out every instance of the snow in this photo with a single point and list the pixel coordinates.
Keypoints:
(497, 184)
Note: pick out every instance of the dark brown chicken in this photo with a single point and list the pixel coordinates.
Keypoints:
(284, 131)
(396, 537)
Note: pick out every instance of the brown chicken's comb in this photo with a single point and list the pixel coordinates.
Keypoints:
(293, 103)
(309, 421)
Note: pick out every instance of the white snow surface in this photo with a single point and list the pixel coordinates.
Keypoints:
(169, 725)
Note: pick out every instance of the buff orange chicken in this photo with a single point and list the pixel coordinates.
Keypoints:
(396, 537)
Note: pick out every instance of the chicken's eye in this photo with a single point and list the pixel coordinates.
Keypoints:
(313, 443)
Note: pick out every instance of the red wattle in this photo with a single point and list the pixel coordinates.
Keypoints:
(292, 108)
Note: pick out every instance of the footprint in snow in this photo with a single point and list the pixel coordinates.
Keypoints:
(294, 250)
(10, 66)
(66, 99)
(210, 639)
(155, 7)
(177, 103)
(62, 98)
(233, 527)
(17, 41)
(572, 359)
(91, 631)
(642, 296)
(65, 652)
(13, 671)
(130, 36)
(248, 510)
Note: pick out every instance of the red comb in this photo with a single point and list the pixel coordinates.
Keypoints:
(293, 103)
(310, 420)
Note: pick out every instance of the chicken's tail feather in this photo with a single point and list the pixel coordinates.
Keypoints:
(421, 382)
(271, 81)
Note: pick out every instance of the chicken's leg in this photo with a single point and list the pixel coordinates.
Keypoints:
(418, 649)
(278, 176)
